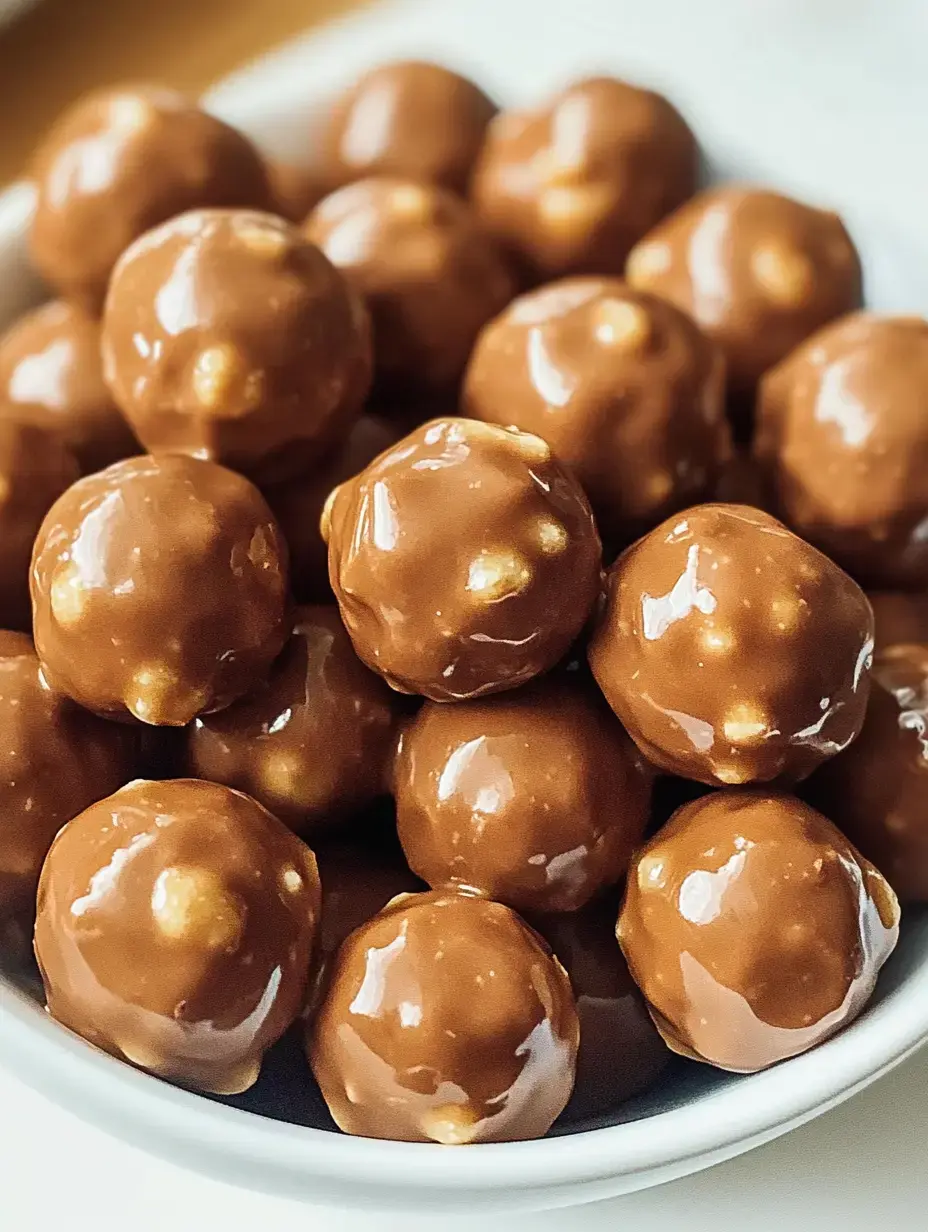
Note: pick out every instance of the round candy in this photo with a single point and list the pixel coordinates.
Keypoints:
(843, 434)
(754, 929)
(465, 559)
(536, 799)
(228, 336)
(731, 650)
(176, 922)
(312, 744)
(446, 1020)
(159, 590)
(572, 185)
(428, 274)
(118, 162)
(899, 617)
(624, 388)
(759, 272)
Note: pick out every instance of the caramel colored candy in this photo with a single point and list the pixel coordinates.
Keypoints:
(464, 560)
(754, 929)
(899, 617)
(732, 651)
(176, 922)
(446, 1020)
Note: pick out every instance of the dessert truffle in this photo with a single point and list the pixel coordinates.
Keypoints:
(118, 162)
(159, 590)
(536, 799)
(446, 1020)
(899, 617)
(754, 929)
(228, 336)
(465, 559)
(624, 388)
(732, 650)
(758, 271)
(176, 922)
(570, 186)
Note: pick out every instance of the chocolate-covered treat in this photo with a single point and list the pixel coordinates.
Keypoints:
(899, 617)
(573, 184)
(754, 929)
(445, 1020)
(294, 189)
(732, 650)
(464, 560)
(624, 388)
(228, 336)
(175, 928)
(427, 272)
(536, 799)
(410, 119)
(51, 376)
(758, 271)
(120, 161)
(843, 433)
(314, 743)
(159, 590)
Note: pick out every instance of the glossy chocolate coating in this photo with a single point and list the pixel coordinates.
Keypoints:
(624, 388)
(118, 162)
(427, 272)
(314, 743)
(464, 560)
(758, 271)
(159, 590)
(754, 929)
(899, 617)
(732, 651)
(228, 336)
(51, 375)
(175, 928)
(445, 1020)
(573, 184)
(294, 189)
(843, 433)
(410, 119)
(536, 799)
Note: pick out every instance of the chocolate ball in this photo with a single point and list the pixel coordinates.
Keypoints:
(408, 118)
(176, 923)
(570, 186)
(228, 336)
(294, 189)
(899, 617)
(314, 743)
(754, 929)
(159, 590)
(536, 799)
(445, 1020)
(118, 162)
(427, 272)
(758, 271)
(624, 388)
(464, 560)
(843, 435)
(732, 651)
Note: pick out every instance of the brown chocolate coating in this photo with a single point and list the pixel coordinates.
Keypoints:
(536, 799)
(570, 186)
(624, 388)
(410, 119)
(445, 1020)
(159, 590)
(843, 433)
(758, 271)
(427, 272)
(314, 743)
(294, 189)
(464, 560)
(228, 336)
(176, 923)
(754, 929)
(899, 617)
(51, 375)
(732, 651)
(119, 161)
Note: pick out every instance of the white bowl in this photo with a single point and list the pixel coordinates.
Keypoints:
(702, 1117)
